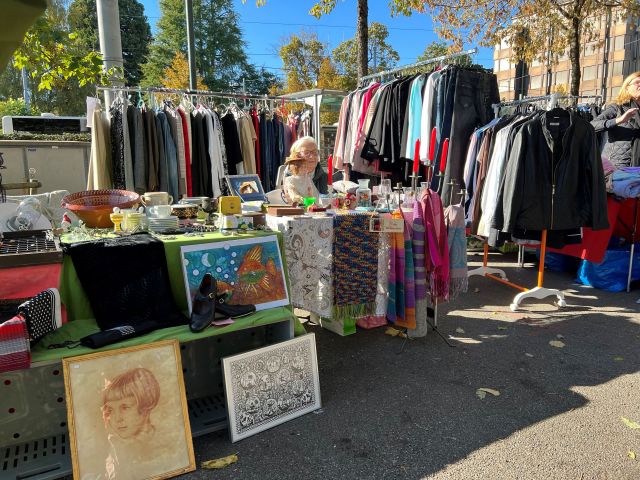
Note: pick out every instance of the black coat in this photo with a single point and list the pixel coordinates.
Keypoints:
(553, 178)
(622, 142)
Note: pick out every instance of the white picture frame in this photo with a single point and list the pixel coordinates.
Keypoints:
(269, 386)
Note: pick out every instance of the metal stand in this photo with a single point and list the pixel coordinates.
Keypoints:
(487, 271)
(539, 292)
(633, 245)
(500, 276)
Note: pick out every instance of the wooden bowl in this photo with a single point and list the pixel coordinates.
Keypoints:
(93, 207)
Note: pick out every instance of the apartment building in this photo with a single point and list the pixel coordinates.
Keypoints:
(604, 63)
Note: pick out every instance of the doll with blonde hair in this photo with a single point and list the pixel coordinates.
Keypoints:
(301, 163)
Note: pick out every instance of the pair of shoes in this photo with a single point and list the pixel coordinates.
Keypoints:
(209, 306)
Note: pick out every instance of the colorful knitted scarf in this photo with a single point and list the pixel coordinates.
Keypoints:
(396, 303)
(458, 282)
(355, 266)
(408, 320)
(436, 248)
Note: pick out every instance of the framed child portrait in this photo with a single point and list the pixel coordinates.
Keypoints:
(127, 413)
(247, 187)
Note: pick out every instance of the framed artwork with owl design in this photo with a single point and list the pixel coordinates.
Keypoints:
(272, 385)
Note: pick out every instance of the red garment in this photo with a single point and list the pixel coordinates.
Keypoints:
(15, 353)
(624, 225)
(187, 151)
(594, 242)
(256, 127)
(366, 100)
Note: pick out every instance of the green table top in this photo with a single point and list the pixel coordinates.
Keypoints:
(77, 329)
(81, 318)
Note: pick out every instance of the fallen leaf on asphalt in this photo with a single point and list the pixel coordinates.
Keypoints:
(559, 336)
(631, 454)
(219, 462)
(618, 359)
(529, 355)
(394, 332)
(459, 330)
(482, 392)
(556, 343)
(629, 423)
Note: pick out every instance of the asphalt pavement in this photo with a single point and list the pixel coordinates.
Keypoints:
(410, 410)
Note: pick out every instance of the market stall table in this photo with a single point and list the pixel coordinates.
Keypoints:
(309, 249)
(35, 430)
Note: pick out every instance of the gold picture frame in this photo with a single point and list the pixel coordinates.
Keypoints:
(130, 404)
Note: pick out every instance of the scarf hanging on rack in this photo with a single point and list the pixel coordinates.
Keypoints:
(408, 320)
(395, 305)
(355, 266)
(436, 248)
(458, 282)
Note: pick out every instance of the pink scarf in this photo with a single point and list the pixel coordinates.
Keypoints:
(436, 249)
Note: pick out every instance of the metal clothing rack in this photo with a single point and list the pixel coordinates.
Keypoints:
(439, 59)
(553, 101)
(199, 93)
(539, 291)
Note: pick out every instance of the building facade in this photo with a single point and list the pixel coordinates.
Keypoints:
(604, 63)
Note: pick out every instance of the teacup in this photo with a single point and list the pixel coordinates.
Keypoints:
(150, 199)
(160, 211)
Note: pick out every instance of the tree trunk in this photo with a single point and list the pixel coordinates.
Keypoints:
(363, 38)
(574, 56)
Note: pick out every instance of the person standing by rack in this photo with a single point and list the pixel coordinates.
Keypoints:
(621, 123)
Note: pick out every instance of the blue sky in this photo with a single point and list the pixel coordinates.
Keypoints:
(264, 27)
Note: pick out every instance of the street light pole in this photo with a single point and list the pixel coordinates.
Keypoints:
(191, 49)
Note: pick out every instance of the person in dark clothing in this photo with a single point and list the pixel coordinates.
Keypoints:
(621, 123)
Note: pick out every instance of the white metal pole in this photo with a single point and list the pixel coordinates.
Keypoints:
(110, 40)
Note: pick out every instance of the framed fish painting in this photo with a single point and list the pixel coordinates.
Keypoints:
(249, 270)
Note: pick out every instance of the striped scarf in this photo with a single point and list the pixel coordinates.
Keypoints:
(458, 282)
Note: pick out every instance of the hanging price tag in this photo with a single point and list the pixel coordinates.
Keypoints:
(386, 225)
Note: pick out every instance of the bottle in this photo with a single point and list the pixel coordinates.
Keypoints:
(363, 194)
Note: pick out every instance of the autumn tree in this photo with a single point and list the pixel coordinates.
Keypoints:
(302, 55)
(381, 56)
(219, 46)
(176, 75)
(324, 7)
(532, 27)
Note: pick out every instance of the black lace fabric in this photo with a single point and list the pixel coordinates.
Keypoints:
(126, 281)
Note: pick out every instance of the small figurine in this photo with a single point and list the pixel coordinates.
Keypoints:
(301, 163)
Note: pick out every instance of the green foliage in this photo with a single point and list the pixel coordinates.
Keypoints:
(134, 27)
(381, 56)
(15, 107)
(53, 55)
(259, 80)
(59, 137)
(220, 48)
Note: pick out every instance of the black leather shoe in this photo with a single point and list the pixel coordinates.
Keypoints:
(204, 304)
(224, 310)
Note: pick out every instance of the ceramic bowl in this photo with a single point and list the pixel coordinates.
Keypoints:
(93, 207)
(184, 210)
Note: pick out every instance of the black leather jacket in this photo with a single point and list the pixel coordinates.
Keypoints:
(553, 177)
(622, 142)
